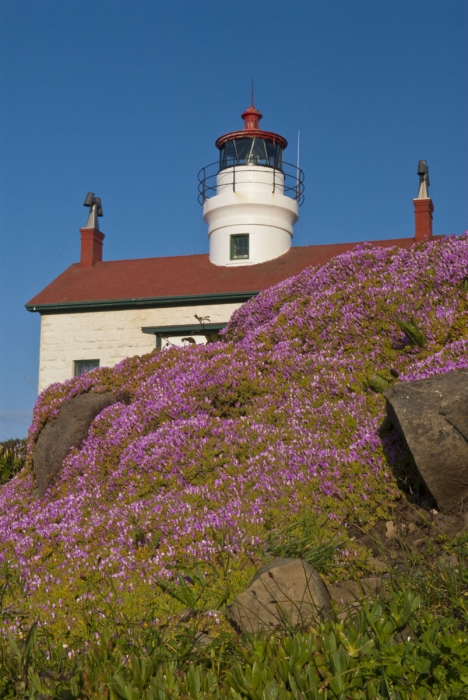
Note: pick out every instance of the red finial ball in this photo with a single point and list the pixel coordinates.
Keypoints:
(251, 117)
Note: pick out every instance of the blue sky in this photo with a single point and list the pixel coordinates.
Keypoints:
(127, 98)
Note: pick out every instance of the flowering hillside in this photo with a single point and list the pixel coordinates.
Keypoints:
(213, 446)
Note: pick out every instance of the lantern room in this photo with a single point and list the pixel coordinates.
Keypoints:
(251, 146)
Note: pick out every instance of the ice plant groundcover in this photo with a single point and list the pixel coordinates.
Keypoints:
(215, 445)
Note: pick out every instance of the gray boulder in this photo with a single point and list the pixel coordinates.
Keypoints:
(354, 592)
(432, 416)
(286, 592)
(456, 413)
(68, 430)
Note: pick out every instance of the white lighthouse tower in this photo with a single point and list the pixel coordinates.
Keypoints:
(251, 196)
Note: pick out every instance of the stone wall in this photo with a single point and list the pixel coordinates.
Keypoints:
(109, 336)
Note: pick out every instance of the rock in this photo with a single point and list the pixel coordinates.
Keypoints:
(405, 635)
(285, 592)
(68, 430)
(202, 639)
(449, 525)
(456, 413)
(377, 564)
(448, 562)
(419, 544)
(353, 592)
(390, 530)
(431, 414)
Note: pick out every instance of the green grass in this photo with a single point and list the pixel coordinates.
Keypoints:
(12, 458)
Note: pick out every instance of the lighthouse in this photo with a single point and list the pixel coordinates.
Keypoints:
(250, 196)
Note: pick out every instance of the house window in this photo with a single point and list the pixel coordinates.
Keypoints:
(82, 366)
(240, 247)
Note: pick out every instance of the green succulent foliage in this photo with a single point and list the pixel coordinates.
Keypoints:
(368, 657)
(413, 333)
(378, 383)
(396, 650)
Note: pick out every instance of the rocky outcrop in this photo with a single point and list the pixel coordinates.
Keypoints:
(432, 416)
(285, 592)
(68, 430)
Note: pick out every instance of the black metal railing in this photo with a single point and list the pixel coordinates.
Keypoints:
(291, 180)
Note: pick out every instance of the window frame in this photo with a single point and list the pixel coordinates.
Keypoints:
(231, 246)
(76, 363)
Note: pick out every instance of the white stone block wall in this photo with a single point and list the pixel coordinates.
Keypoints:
(110, 336)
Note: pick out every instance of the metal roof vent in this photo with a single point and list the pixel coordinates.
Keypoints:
(95, 210)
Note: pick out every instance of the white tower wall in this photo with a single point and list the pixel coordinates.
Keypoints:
(250, 200)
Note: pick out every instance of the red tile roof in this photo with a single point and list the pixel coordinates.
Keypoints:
(181, 276)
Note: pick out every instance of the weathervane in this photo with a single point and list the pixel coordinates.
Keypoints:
(95, 210)
(423, 172)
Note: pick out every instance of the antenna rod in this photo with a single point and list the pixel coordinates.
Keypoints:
(252, 95)
(297, 167)
(298, 148)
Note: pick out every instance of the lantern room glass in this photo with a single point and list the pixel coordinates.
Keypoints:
(253, 151)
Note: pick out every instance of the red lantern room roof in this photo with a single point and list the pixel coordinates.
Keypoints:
(251, 118)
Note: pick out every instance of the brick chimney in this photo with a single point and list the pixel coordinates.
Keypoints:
(91, 237)
(423, 209)
(423, 206)
(91, 246)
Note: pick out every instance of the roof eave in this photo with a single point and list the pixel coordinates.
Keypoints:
(146, 302)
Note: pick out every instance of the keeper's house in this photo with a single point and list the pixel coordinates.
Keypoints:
(96, 313)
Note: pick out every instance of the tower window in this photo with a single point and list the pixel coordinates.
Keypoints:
(240, 247)
(256, 151)
(82, 366)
